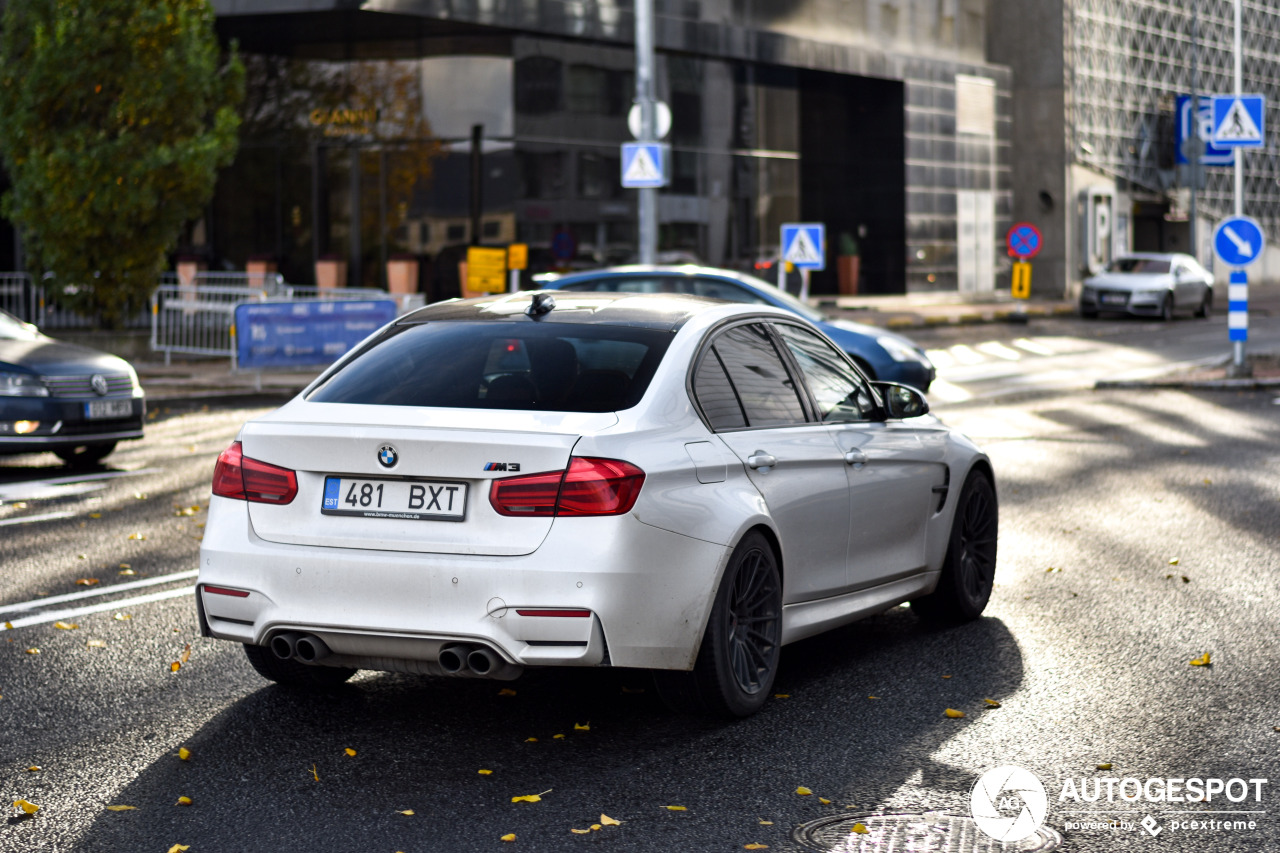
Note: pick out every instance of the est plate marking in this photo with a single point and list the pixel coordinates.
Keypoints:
(412, 500)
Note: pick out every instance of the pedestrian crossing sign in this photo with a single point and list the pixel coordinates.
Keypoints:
(804, 244)
(644, 164)
(1238, 121)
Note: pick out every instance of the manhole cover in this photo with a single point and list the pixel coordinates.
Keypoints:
(931, 832)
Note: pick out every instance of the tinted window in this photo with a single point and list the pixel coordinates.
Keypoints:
(1139, 265)
(766, 391)
(544, 366)
(715, 394)
(839, 391)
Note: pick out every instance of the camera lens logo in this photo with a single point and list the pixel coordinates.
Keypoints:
(1009, 803)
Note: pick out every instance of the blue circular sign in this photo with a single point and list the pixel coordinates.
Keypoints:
(1238, 241)
(563, 246)
(1024, 240)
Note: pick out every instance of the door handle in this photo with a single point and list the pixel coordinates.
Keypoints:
(856, 458)
(760, 459)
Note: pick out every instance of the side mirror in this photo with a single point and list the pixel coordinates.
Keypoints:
(902, 401)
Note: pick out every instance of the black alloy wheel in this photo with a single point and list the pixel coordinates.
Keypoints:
(1166, 308)
(738, 659)
(969, 569)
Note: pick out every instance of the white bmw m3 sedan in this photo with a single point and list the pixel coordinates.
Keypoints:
(530, 480)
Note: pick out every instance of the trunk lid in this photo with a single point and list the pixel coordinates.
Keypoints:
(435, 449)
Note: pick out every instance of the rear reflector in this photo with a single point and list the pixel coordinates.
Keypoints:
(570, 613)
(245, 479)
(222, 590)
(587, 487)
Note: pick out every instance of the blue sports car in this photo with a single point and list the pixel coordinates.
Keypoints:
(883, 356)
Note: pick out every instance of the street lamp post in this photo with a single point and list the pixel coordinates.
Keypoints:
(648, 212)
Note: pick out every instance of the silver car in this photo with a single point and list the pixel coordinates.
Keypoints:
(529, 480)
(1149, 284)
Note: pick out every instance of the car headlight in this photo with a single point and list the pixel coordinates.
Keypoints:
(21, 385)
(899, 350)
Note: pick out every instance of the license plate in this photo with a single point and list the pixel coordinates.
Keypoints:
(404, 499)
(108, 409)
(1115, 298)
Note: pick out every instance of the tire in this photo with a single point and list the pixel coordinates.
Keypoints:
(738, 659)
(968, 571)
(290, 673)
(86, 455)
(1088, 313)
(1166, 309)
(1206, 305)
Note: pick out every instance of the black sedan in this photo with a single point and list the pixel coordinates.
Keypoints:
(59, 397)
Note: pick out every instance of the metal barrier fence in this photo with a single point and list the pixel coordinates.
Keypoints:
(22, 298)
(196, 320)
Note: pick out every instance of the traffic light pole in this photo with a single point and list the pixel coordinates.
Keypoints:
(648, 212)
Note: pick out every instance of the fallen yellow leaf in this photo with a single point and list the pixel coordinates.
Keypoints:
(531, 740)
(34, 768)
(608, 821)
(122, 617)
(485, 772)
(33, 651)
(991, 703)
(186, 653)
(138, 536)
(675, 808)
(873, 697)
(314, 774)
(1174, 561)
(184, 753)
(510, 836)
(782, 696)
(582, 727)
(1203, 660)
(1208, 482)
(87, 581)
(29, 808)
(580, 831)
(408, 812)
(125, 566)
(507, 691)
(953, 713)
(178, 848)
(1105, 766)
(595, 827)
(557, 737)
(175, 666)
(121, 808)
(755, 846)
(96, 644)
(8, 626)
(183, 801)
(766, 823)
(824, 801)
(95, 515)
(803, 791)
(860, 828)
(1052, 569)
(527, 798)
(349, 751)
(65, 626)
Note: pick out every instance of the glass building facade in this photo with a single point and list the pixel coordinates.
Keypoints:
(880, 119)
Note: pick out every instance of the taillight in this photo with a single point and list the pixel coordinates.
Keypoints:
(586, 487)
(245, 479)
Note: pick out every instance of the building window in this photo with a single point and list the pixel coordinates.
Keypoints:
(455, 233)
(542, 174)
(598, 176)
(538, 85)
(588, 90)
(491, 229)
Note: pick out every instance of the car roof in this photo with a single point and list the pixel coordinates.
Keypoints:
(649, 310)
(1152, 256)
(665, 269)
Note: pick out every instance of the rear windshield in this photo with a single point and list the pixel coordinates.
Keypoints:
(558, 367)
(1139, 265)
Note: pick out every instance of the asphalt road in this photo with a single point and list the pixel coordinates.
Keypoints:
(1138, 532)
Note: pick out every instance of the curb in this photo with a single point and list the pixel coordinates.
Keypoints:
(1243, 384)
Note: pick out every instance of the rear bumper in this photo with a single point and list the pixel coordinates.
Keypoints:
(648, 592)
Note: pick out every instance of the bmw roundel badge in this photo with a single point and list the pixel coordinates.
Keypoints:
(387, 456)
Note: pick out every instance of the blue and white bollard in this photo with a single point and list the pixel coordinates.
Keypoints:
(1238, 306)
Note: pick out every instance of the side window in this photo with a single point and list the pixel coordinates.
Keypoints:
(766, 392)
(724, 290)
(841, 394)
(715, 394)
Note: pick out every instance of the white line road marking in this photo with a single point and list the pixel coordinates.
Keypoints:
(106, 590)
(999, 350)
(74, 612)
(1033, 347)
(965, 354)
(39, 490)
(28, 519)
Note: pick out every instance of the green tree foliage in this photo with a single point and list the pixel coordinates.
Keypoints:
(115, 116)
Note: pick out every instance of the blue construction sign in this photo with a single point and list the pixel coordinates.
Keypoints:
(644, 164)
(1238, 241)
(1199, 123)
(307, 332)
(804, 245)
(1239, 121)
